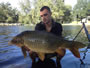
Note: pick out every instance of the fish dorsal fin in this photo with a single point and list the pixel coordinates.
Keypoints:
(41, 56)
(24, 51)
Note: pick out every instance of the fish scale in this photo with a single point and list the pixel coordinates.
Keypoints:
(38, 45)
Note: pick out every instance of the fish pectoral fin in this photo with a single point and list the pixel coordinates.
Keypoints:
(61, 51)
(75, 52)
(24, 51)
(41, 56)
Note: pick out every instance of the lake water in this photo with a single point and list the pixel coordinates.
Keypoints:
(12, 57)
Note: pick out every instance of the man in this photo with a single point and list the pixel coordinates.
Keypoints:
(49, 25)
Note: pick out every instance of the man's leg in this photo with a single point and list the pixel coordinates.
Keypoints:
(59, 56)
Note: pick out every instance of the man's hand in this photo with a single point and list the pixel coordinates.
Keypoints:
(32, 54)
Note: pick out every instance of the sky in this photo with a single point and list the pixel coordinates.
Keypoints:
(70, 2)
(15, 3)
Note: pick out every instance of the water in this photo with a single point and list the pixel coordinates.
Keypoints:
(12, 57)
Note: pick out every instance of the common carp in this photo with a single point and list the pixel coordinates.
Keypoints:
(43, 42)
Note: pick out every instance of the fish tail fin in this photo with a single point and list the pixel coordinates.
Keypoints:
(75, 52)
(74, 48)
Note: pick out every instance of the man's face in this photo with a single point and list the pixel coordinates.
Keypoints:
(45, 16)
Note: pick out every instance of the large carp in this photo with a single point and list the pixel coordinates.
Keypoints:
(43, 42)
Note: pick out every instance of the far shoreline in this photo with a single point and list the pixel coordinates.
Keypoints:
(19, 24)
(73, 24)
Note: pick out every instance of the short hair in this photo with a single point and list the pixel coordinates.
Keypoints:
(45, 7)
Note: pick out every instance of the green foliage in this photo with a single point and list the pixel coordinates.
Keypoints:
(25, 6)
(7, 13)
(67, 14)
(60, 12)
(81, 8)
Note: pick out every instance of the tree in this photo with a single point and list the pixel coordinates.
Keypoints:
(7, 13)
(60, 12)
(68, 16)
(81, 8)
(25, 6)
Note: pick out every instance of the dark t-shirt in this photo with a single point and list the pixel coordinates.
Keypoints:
(56, 28)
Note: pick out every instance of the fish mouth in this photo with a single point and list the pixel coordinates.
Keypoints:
(10, 44)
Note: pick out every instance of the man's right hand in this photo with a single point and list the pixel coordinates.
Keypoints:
(32, 54)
